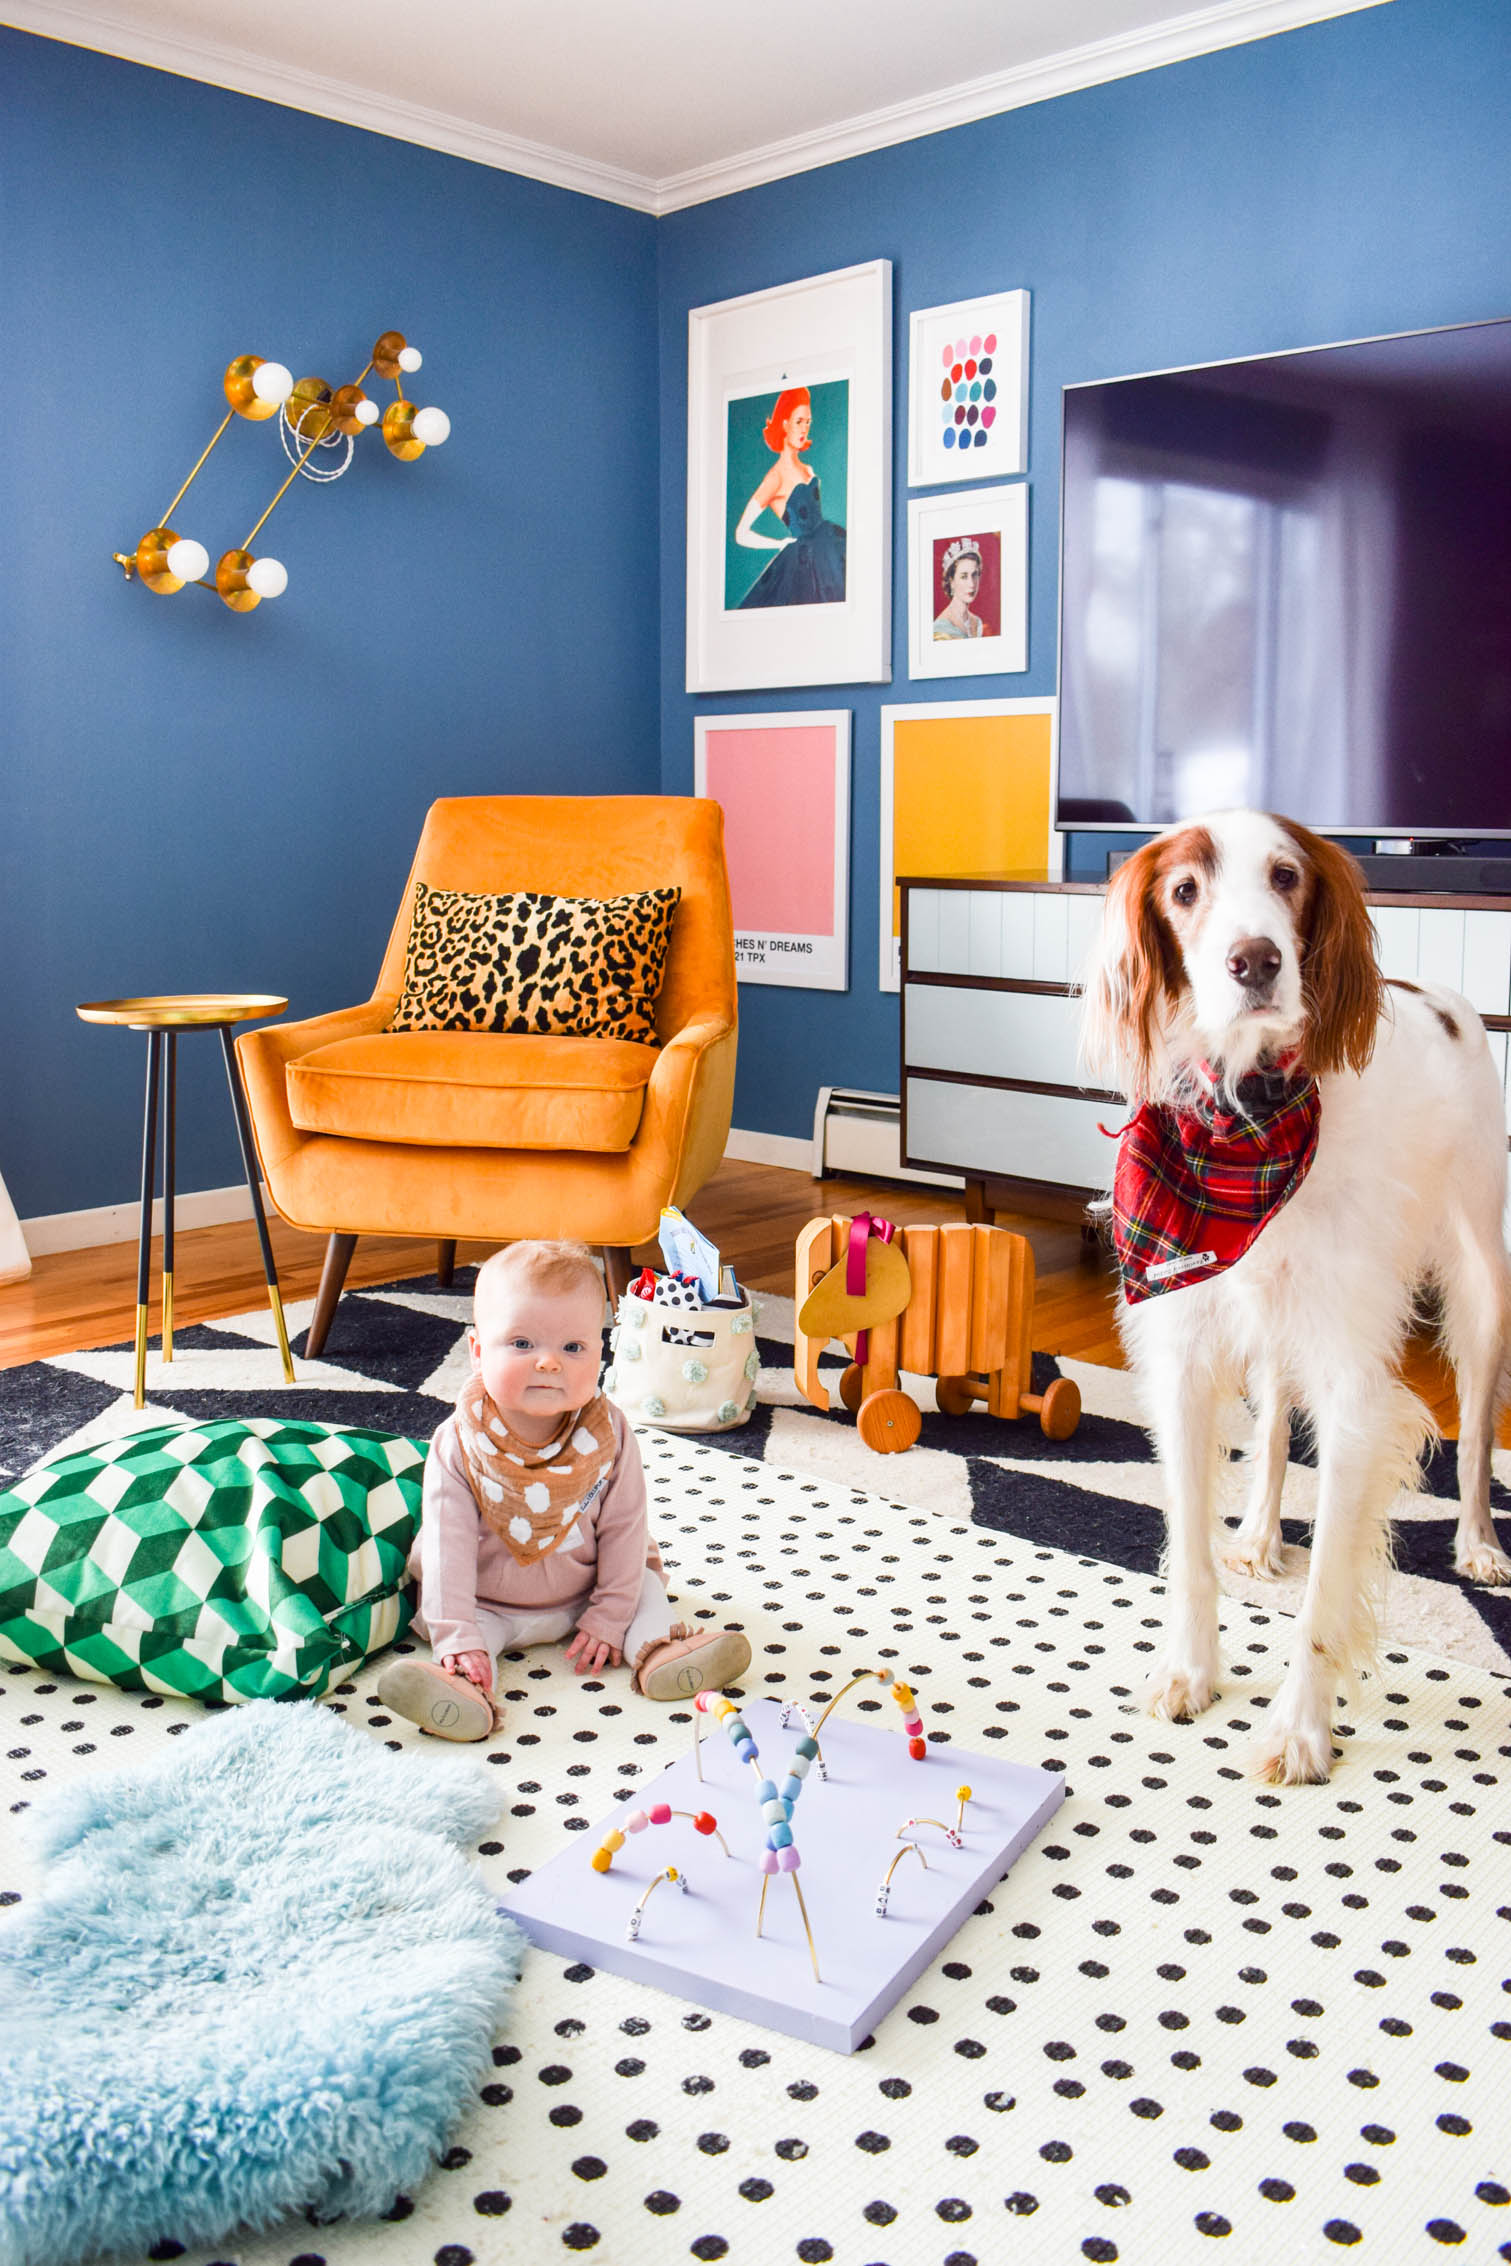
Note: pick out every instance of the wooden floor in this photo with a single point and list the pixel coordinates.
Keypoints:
(753, 1212)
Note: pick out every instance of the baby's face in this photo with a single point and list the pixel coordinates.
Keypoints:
(537, 1353)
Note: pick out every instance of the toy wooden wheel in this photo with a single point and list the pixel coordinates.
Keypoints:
(954, 1395)
(1060, 1409)
(850, 1387)
(888, 1422)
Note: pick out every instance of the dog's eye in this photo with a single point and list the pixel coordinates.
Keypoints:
(1185, 892)
(1284, 879)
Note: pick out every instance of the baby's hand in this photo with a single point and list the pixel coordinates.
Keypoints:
(475, 1666)
(589, 1654)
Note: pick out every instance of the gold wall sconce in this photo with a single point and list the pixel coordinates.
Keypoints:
(312, 417)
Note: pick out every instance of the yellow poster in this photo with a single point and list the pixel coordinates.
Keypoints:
(967, 794)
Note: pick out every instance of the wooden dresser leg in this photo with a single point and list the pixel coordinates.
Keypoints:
(338, 1257)
(977, 1210)
(445, 1263)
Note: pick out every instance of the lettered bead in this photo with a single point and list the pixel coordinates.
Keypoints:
(613, 1839)
(636, 1822)
(703, 1823)
(778, 1835)
(602, 1859)
(917, 1748)
(807, 1749)
(767, 1861)
(660, 1813)
(788, 1859)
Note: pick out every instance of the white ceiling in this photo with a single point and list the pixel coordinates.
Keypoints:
(660, 103)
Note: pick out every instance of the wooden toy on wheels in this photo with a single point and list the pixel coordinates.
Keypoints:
(955, 1303)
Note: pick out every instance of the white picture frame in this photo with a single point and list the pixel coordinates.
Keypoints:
(826, 616)
(949, 395)
(945, 535)
(784, 782)
(1043, 853)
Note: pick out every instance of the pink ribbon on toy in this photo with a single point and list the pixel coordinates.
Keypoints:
(862, 1228)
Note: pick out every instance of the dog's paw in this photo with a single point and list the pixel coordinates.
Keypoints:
(1482, 1562)
(1260, 1555)
(1176, 1695)
(1293, 1755)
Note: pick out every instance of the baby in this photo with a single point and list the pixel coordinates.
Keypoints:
(534, 1523)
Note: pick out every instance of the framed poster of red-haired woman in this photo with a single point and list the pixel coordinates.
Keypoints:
(789, 444)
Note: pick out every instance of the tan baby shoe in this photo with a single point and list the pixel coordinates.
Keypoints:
(451, 1707)
(683, 1664)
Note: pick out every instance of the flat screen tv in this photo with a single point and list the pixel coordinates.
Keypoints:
(1287, 583)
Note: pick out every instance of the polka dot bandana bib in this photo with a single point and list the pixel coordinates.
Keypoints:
(531, 1496)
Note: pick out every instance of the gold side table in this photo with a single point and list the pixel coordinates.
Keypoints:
(162, 1019)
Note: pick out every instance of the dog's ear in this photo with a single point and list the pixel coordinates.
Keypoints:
(1340, 975)
(1135, 973)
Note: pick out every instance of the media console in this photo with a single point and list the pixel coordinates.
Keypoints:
(990, 1082)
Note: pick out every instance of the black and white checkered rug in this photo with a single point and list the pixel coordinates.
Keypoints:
(396, 1359)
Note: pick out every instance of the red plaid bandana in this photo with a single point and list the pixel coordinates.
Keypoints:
(1195, 1186)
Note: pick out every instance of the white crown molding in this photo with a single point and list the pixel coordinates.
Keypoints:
(231, 67)
(1227, 23)
(1201, 31)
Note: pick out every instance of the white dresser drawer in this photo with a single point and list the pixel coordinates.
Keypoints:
(1028, 935)
(992, 1034)
(993, 1129)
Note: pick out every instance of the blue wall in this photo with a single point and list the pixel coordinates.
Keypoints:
(1329, 183)
(196, 800)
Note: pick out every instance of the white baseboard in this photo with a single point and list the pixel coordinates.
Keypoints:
(770, 1148)
(117, 1223)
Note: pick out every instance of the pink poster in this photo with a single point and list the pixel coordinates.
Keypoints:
(784, 784)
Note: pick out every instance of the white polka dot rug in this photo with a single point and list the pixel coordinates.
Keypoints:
(1199, 2019)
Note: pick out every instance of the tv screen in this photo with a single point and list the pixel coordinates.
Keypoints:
(1287, 583)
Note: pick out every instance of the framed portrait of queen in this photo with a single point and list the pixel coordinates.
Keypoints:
(789, 437)
(968, 582)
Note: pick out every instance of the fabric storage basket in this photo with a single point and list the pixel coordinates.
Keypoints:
(709, 1386)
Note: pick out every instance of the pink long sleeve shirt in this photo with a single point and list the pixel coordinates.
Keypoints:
(595, 1576)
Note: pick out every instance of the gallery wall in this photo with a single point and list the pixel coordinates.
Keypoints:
(1331, 183)
(197, 800)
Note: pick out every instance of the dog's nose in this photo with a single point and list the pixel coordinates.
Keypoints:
(1254, 962)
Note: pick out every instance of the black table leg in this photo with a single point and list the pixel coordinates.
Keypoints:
(144, 1236)
(254, 1186)
(170, 1083)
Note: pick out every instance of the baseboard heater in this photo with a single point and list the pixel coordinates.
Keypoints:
(859, 1132)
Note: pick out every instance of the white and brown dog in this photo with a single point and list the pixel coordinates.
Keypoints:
(1236, 987)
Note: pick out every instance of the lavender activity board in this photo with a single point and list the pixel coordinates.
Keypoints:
(701, 1943)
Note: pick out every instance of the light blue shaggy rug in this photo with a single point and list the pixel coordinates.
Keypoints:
(261, 1979)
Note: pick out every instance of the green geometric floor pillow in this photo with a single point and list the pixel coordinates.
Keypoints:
(228, 1560)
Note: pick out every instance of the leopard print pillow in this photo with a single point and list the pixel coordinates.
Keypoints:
(563, 967)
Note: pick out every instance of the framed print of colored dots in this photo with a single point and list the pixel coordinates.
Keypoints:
(968, 390)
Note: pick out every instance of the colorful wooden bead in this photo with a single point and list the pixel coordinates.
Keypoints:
(636, 1822)
(776, 1812)
(602, 1859)
(788, 1859)
(767, 1861)
(613, 1839)
(917, 1748)
(660, 1812)
(778, 1835)
(766, 1792)
(903, 1694)
(806, 1749)
(747, 1750)
(703, 1823)
(791, 1788)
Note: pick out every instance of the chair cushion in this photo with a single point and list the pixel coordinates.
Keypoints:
(580, 967)
(235, 1559)
(473, 1090)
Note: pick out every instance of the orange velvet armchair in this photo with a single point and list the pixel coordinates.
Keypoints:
(489, 1136)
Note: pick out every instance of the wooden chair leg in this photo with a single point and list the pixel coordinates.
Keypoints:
(338, 1257)
(445, 1262)
(618, 1269)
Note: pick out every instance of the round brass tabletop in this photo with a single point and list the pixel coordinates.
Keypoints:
(182, 1010)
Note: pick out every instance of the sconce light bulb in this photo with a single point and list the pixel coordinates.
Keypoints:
(187, 559)
(367, 412)
(272, 383)
(432, 426)
(410, 358)
(268, 577)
